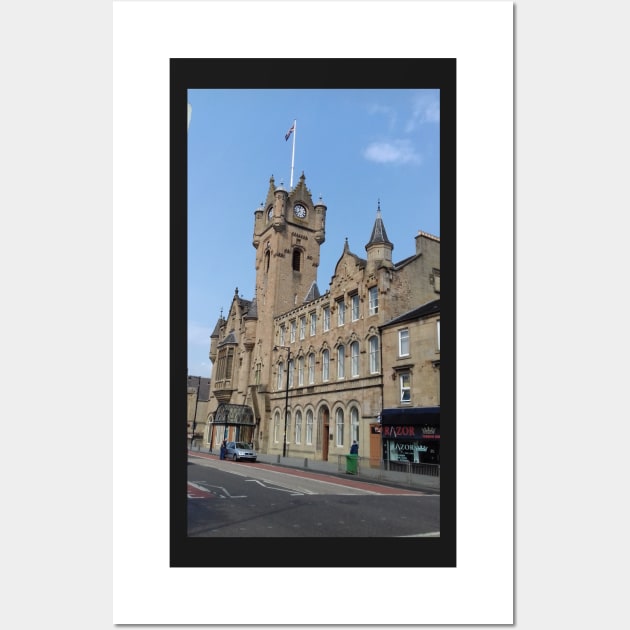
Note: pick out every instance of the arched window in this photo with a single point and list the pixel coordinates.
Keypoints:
(354, 423)
(267, 259)
(339, 425)
(297, 258)
(290, 368)
(298, 427)
(374, 355)
(309, 427)
(280, 376)
(276, 426)
(354, 358)
(341, 364)
(325, 365)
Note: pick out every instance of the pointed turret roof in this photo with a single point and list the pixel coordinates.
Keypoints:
(379, 235)
(313, 293)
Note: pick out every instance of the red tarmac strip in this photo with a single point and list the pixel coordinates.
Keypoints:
(350, 483)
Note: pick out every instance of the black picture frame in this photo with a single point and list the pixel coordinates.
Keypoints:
(252, 73)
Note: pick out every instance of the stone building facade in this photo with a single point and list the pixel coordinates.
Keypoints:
(409, 426)
(298, 372)
(197, 407)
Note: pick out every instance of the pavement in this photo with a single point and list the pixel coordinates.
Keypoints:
(336, 465)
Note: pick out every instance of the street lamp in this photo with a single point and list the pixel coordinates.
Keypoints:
(194, 426)
(286, 399)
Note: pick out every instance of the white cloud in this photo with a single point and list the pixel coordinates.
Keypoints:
(397, 151)
(425, 109)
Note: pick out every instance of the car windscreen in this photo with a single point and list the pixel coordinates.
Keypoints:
(242, 445)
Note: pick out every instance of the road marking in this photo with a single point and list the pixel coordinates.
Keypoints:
(291, 492)
(427, 535)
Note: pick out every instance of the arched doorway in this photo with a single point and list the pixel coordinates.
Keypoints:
(323, 430)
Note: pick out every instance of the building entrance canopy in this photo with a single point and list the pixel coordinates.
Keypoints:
(227, 413)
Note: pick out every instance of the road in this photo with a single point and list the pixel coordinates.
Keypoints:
(234, 499)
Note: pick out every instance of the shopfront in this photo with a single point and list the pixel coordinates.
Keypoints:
(411, 435)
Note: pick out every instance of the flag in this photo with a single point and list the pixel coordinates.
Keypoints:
(287, 135)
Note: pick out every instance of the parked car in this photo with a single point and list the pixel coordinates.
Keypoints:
(240, 450)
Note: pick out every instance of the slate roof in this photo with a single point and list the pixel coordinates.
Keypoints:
(430, 308)
(202, 384)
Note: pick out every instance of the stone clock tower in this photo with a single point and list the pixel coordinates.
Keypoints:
(288, 232)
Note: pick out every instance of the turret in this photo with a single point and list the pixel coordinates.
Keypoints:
(379, 249)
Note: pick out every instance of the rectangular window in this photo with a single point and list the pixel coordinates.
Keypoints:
(313, 324)
(228, 364)
(301, 371)
(405, 387)
(325, 365)
(355, 307)
(403, 342)
(302, 327)
(341, 313)
(326, 318)
(293, 327)
(373, 300)
(282, 335)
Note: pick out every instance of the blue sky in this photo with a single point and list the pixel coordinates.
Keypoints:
(355, 147)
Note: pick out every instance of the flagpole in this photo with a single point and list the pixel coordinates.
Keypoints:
(293, 153)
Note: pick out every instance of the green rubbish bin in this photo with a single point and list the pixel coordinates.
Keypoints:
(352, 464)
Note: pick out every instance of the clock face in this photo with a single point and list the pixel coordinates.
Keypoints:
(270, 213)
(299, 211)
